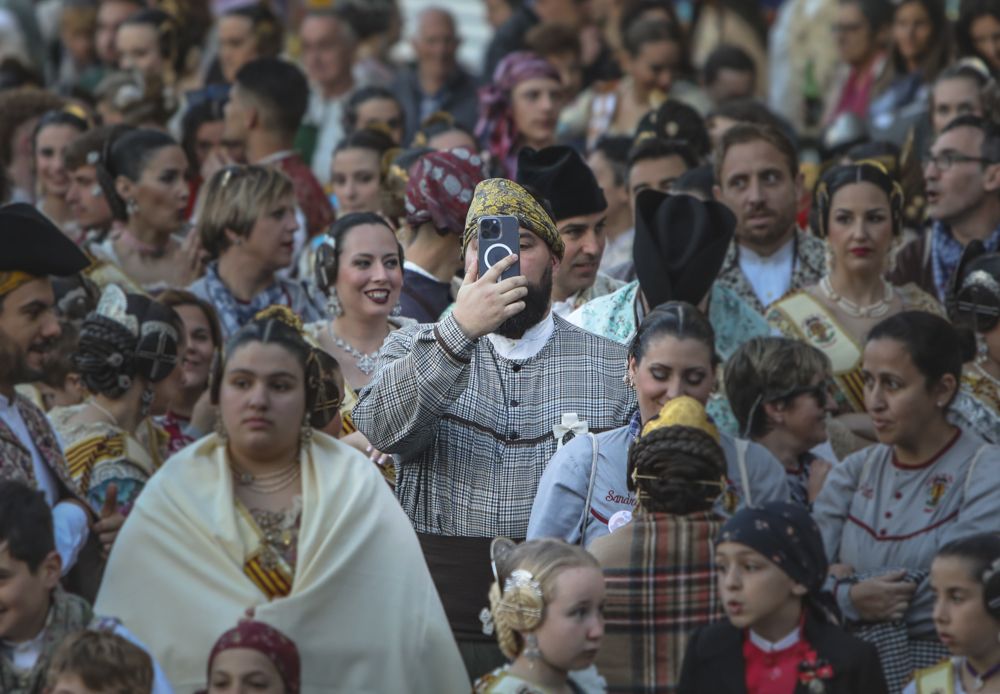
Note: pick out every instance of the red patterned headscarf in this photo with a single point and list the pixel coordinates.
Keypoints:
(263, 638)
(440, 189)
(496, 118)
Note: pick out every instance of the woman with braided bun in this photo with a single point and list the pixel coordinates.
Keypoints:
(268, 513)
(662, 559)
(585, 483)
(859, 214)
(127, 346)
(547, 610)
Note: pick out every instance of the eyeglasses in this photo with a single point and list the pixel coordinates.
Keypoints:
(945, 160)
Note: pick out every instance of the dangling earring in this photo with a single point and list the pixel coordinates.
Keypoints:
(828, 259)
(306, 435)
(146, 400)
(333, 306)
(131, 207)
(627, 380)
(531, 650)
(982, 350)
(890, 257)
(397, 310)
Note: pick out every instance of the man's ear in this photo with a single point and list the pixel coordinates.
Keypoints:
(50, 570)
(991, 178)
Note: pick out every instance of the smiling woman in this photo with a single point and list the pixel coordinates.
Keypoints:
(54, 132)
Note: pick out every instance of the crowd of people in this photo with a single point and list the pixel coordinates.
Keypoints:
(274, 417)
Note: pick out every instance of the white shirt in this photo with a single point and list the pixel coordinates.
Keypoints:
(779, 645)
(327, 115)
(413, 267)
(770, 276)
(529, 345)
(69, 521)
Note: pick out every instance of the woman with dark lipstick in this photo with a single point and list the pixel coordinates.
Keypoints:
(859, 214)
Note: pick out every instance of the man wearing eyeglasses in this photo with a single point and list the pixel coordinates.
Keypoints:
(962, 183)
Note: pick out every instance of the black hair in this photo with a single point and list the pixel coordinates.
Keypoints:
(319, 369)
(438, 123)
(208, 111)
(990, 130)
(25, 524)
(639, 34)
(655, 148)
(280, 87)
(675, 319)
(167, 31)
(127, 154)
(615, 149)
(367, 138)
(699, 181)
(60, 117)
(969, 11)
(934, 345)
(675, 120)
(982, 551)
(635, 10)
(676, 470)
(842, 175)
(878, 13)
(109, 356)
(265, 25)
(750, 111)
(726, 57)
(881, 150)
(328, 258)
(359, 97)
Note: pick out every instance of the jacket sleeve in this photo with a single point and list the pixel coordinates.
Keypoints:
(562, 493)
(868, 677)
(768, 481)
(422, 372)
(978, 513)
(689, 680)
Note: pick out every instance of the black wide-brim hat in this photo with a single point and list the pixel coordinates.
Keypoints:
(680, 245)
(560, 175)
(31, 243)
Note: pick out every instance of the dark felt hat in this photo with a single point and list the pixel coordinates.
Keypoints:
(33, 244)
(680, 244)
(561, 176)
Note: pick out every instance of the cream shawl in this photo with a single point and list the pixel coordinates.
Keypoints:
(362, 610)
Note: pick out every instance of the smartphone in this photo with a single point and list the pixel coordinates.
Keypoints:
(499, 236)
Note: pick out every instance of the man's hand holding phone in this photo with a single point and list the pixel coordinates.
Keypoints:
(483, 303)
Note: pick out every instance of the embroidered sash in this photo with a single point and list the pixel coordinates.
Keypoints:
(264, 565)
(811, 322)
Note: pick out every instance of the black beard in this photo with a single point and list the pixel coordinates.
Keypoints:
(14, 364)
(536, 305)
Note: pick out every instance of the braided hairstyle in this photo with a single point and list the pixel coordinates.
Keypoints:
(112, 354)
(518, 604)
(676, 470)
(126, 154)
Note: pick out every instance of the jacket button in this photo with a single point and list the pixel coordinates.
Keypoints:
(514, 436)
(515, 368)
(514, 403)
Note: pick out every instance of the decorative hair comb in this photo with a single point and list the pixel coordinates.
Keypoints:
(114, 306)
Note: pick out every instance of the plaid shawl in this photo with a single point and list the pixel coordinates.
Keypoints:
(661, 586)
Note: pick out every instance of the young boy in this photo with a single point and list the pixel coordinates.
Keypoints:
(778, 635)
(99, 662)
(36, 615)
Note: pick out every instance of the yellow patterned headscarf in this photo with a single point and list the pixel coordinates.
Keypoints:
(682, 411)
(499, 196)
(11, 280)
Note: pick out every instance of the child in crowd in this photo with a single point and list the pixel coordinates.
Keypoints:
(779, 637)
(36, 615)
(100, 662)
(965, 579)
(61, 384)
(548, 617)
(253, 656)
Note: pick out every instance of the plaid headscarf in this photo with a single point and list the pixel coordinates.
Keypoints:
(784, 533)
(263, 638)
(496, 118)
(499, 196)
(440, 189)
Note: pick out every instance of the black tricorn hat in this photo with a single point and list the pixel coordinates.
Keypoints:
(560, 175)
(680, 244)
(33, 244)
